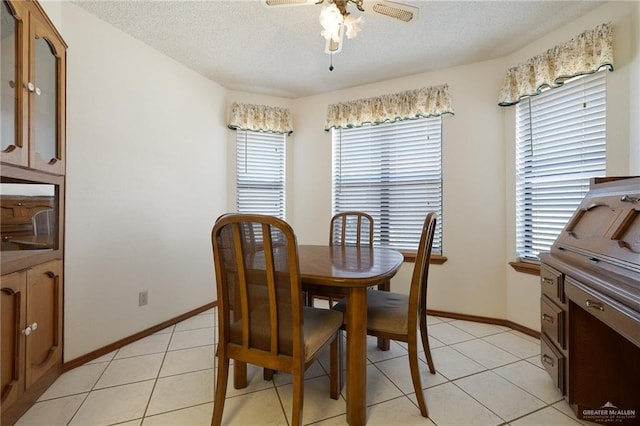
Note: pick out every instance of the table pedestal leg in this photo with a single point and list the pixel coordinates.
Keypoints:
(357, 356)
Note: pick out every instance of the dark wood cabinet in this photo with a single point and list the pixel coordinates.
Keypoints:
(590, 305)
(32, 157)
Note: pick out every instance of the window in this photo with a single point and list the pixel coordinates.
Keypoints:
(260, 173)
(393, 171)
(560, 145)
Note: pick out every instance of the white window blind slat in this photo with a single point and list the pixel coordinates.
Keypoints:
(393, 172)
(560, 146)
(260, 173)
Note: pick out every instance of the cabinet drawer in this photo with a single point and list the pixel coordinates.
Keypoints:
(622, 319)
(553, 362)
(552, 321)
(552, 283)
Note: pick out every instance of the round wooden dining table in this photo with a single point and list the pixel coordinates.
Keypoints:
(352, 269)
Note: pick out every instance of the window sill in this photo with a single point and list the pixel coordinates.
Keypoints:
(526, 267)
(436, 259)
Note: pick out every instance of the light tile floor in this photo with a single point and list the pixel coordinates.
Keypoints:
(486, 375)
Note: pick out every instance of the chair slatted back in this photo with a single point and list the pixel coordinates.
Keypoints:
(258, 285)
(351, 228)
(419, 279)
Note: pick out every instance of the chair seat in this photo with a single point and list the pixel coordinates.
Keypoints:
(319, 327)
(387, 312)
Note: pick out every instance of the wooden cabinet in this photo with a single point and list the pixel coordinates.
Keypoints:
(32, 157)
(590, 305)
(553, 320)
(31, 327)
(32, 89)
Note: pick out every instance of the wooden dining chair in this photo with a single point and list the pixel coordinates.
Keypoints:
(400, 317)
(345, 229)
(351, 228)
(261, 317)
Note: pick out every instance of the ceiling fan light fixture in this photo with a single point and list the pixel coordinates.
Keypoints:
(353, 25)
(332, 22)
(400, 11)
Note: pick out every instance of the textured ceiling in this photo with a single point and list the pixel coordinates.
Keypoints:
(246, 46)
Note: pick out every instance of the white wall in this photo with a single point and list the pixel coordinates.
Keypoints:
(150, 168)
(146, 178)
(623, 141)
(634, 89)
(472, 280)
(478, 170)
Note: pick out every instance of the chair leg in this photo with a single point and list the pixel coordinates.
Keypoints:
(414, 366)
(335, 367)
(221, 391)
(425, 343)
(239, 374)
(342, 351)
(308, 299)
(298, 398)
(383, 343)
(267, 374)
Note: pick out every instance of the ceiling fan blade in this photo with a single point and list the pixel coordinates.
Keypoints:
(278, 3)
(392, 9)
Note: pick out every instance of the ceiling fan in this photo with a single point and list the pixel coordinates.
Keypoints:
(337, 21)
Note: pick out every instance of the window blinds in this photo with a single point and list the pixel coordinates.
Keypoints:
(260, 173)
(560, 145)
(393, 171)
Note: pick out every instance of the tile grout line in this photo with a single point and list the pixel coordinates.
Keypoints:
(155, 381)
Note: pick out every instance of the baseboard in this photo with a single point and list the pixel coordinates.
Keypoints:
(130, 339)
(486, 320)
(149, 331)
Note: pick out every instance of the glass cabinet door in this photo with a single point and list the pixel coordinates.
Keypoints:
(13, 129)
(46, 91)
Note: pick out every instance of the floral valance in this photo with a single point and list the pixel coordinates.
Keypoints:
(260, 118)
(407, 105)
(584, 54)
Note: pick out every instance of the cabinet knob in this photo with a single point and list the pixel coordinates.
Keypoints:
(546, 280)
(547, 318)
(30, 86)
(30, 329)
(38, 91)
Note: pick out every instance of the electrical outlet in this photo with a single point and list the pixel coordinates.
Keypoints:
(143, 298)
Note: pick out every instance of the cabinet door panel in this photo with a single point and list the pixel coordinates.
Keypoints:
(44, 308)
(13, 123)
(46, 150)
(12, 311)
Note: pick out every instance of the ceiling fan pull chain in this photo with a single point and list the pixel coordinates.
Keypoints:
(331, 64)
